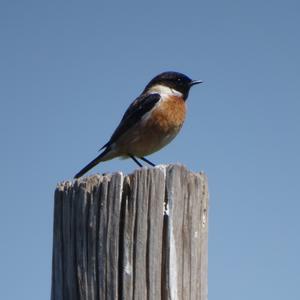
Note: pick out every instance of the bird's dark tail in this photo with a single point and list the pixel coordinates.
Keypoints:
(92, 164)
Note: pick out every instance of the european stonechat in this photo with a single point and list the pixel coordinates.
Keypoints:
(150, 122)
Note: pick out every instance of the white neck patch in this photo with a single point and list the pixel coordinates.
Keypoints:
(164, 90)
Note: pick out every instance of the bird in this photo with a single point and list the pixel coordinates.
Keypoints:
(151, 121)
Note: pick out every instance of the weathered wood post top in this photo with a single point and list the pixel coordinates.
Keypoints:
(139, 236)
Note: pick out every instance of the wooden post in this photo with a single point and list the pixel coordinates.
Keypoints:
(141, 236)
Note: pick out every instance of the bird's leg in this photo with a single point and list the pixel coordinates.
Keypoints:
(136, 161)
(147, 161)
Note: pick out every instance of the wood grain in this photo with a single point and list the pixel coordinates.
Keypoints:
(141, 236)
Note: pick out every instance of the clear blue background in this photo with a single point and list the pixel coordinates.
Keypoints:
(68, 71)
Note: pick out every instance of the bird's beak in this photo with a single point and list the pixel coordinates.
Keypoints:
(194, 82)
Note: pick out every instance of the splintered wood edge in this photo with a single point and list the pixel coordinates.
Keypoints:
(99, 177)
(91, 180)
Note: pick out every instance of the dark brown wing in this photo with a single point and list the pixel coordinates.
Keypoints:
(138, 108)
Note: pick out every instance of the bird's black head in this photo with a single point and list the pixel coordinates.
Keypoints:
(173, 80)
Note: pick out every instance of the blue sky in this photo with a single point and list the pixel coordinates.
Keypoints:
(68, 71)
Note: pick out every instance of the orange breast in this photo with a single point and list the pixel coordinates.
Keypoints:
(169, 115)
(155, 131)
